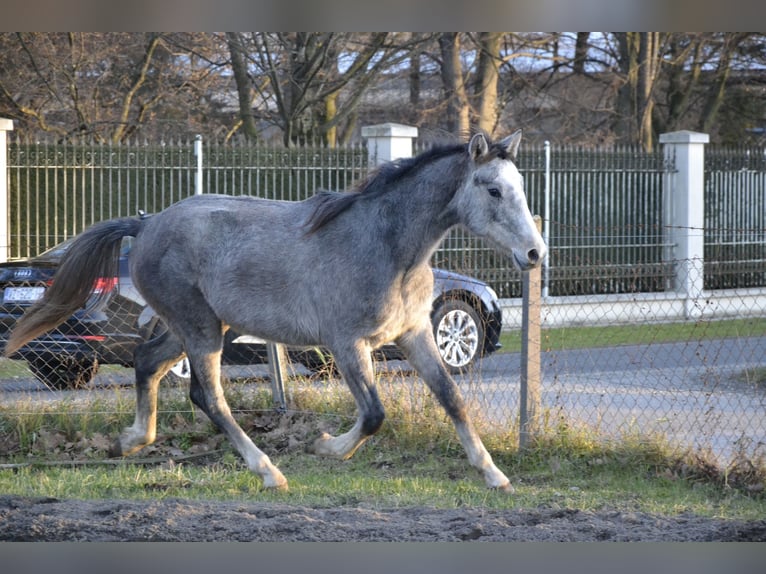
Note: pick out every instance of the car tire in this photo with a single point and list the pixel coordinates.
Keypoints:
(179, 374)
(63, 373)
(459, 334)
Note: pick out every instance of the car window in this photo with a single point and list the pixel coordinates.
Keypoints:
(55, 253)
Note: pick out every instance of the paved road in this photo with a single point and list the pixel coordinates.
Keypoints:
(694, 393)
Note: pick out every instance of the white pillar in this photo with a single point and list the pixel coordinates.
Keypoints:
(387, 142)
(685, 214)
(6, 125)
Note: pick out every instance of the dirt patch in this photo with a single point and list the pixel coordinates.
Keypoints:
(43, 519)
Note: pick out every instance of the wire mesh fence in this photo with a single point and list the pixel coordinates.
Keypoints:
(624, 352)
(698, 383)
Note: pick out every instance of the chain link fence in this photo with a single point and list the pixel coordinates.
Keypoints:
(616, 366)
(627, 348)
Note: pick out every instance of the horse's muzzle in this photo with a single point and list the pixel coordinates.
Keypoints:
(530, 260)
(533, 256)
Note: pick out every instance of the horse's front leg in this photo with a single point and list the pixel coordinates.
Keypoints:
(355, 364)
(421, 351)
(152, 360)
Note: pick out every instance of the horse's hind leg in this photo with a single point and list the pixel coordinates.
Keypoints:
(207, 394)
(355, 365)
(152, 360)
(423, 355)
(202, 336)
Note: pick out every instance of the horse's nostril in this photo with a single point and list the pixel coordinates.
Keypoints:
(533, 256)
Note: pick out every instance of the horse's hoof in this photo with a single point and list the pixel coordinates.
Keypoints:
(277, 482)
(115, 450)
(281, 487)
(507, 488)
(318, 445)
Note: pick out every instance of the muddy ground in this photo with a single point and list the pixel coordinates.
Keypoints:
(42, 519)
(182, 520)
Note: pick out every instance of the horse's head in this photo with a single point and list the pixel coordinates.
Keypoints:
(492, 204)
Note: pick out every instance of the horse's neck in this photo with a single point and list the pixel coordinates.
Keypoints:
(419, 226)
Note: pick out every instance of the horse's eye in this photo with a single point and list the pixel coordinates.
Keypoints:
(494, 191)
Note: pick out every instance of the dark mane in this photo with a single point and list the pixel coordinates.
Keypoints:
(330, 204)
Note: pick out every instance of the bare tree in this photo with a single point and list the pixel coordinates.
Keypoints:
(487, 78)
(693, 76)
(457, 116)
(683, 68)
(581, 52)
(585, 87)
(105, 85)
(316, 79)
(716, 92)
(637, 60)
(243, 84)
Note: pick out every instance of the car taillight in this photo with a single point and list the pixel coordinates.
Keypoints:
(104, 284)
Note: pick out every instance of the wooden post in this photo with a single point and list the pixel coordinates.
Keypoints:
(530, 401)
(277, 360)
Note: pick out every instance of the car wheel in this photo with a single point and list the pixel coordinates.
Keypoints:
(63, 372)
(179, 374)
(459, 333)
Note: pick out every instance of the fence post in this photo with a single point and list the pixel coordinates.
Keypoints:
(6, 125)
(530, 401)
(277, 358)
(547, 220)
(685, 214)
(198, 173)
(389, 141)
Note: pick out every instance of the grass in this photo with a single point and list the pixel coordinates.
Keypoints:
(60, 451)
(380, 477)
(18, 369)
(556, 339)
(755, 377)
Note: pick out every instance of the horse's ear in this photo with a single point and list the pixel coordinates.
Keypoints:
(478, 147)
(511, 144)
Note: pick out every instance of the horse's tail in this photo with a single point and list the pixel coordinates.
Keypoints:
(93, 254)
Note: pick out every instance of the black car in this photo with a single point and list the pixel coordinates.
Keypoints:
(466, 317)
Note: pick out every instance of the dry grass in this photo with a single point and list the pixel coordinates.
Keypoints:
(59, 449)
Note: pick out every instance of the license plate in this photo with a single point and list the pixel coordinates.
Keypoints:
(22, 294)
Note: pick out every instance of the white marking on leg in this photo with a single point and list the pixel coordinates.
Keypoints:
(255, 458)
(133, 439)
(143, 431)
(258, 462)
(342, 446)
(480, 458)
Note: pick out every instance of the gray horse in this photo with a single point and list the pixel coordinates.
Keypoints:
(347, 271)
